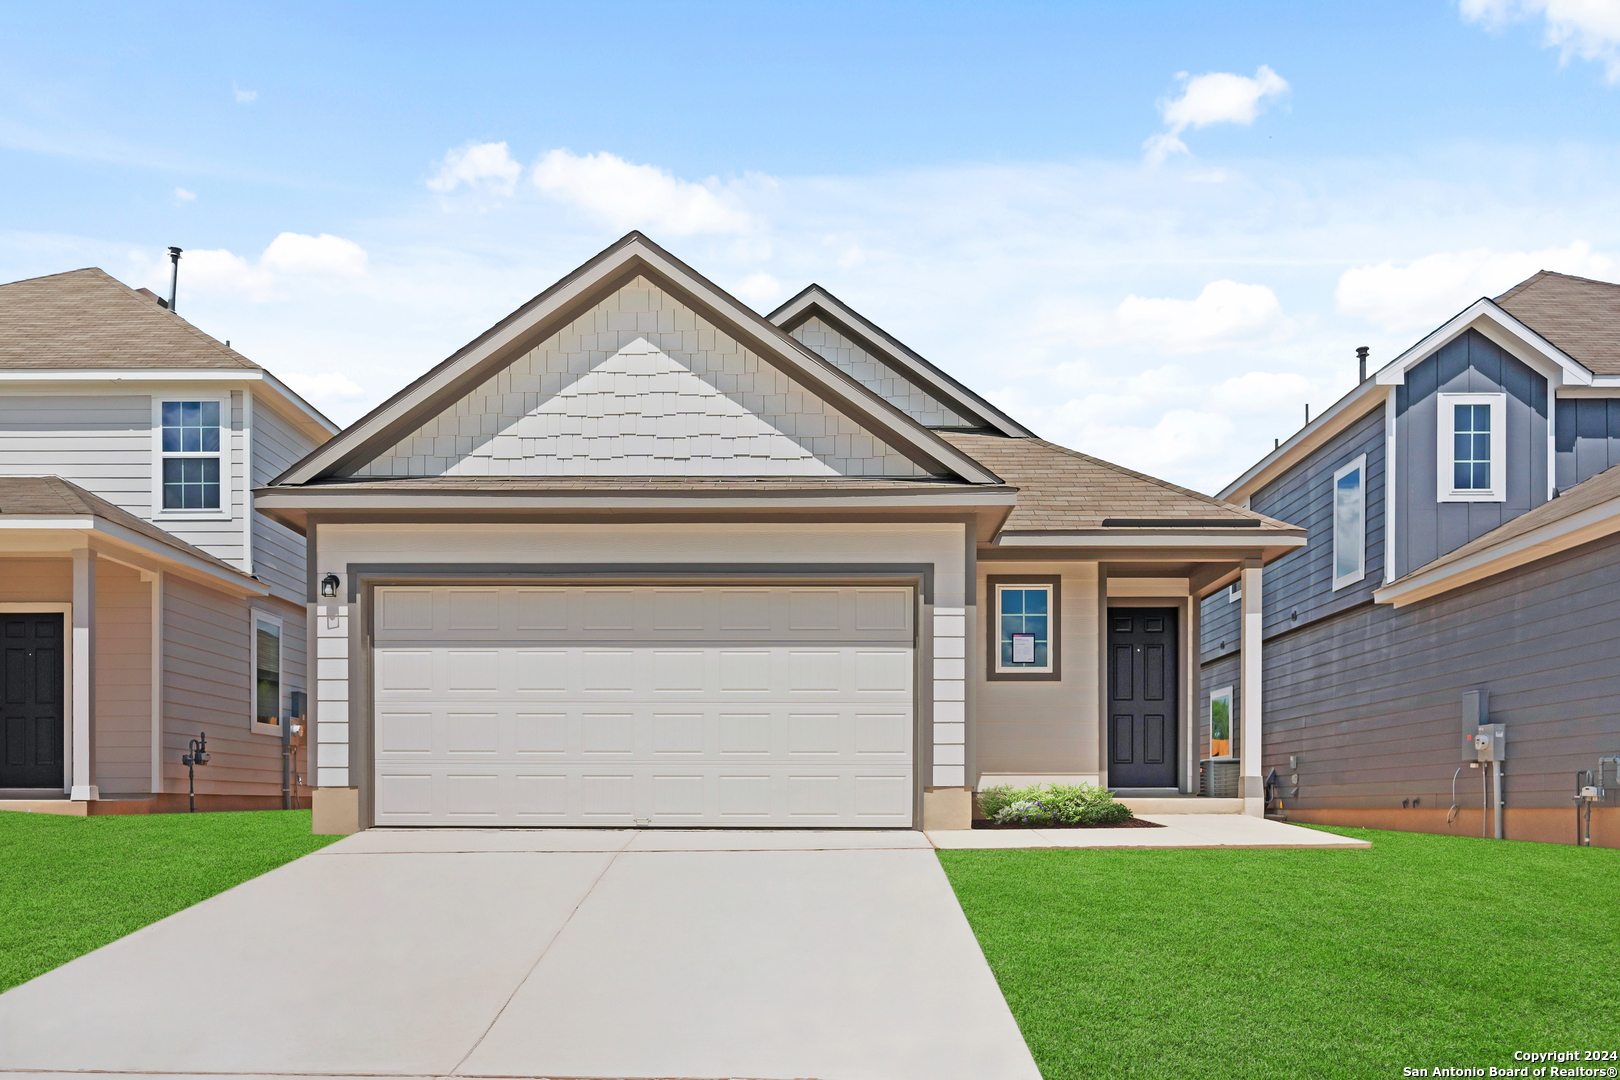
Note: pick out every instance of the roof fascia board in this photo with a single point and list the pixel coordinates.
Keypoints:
(293, 406)
(278, 498)
(1600, 388)
(592, 282)
(1340, 415)
(1590, 524)
(1156, 538)
(170, 557)
(1486, 316)
(816, 301)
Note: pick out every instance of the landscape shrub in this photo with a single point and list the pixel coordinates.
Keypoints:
(1062, 804)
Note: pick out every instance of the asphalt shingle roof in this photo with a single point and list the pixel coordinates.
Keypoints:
(87, 319)
(1579, 315)
(1063, 490)
(51, 496)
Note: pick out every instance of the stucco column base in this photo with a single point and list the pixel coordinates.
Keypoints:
(336, 811)
(947, 808)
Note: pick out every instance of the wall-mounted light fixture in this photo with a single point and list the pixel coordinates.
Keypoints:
(329, 585)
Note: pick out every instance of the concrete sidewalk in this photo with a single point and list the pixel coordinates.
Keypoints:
(546, 954)
(1180, 831)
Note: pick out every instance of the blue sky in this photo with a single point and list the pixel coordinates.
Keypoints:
(1153, 231)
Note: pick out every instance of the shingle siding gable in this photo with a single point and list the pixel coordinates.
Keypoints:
(878, 377)
(641, 385)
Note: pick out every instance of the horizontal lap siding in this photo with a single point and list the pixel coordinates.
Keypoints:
(1371, 700)
(102, 442)
(207, 688)
(123, 673)
(220, 537)
(278, 552)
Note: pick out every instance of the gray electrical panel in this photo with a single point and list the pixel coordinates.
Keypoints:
(1490, 742)
(1475, 712)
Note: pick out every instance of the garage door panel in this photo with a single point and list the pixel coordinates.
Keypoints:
(499, 705)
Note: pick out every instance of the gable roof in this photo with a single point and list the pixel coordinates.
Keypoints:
(89, 319)
(816, 302)
(1579, 315)
(1065, 491)
(1566, 327)
(632, 256)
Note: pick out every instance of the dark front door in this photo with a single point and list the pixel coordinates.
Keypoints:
(31, 701)
(1142, 697)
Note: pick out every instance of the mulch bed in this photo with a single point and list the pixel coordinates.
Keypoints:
(1134, 823)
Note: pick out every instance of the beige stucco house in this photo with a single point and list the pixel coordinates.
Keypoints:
(142, 601)
(639, 555)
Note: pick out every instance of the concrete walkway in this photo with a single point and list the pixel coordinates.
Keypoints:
(1180, 831)
(546, 954)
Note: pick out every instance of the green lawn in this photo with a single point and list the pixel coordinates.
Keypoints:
(69, 885)
(1424, 951)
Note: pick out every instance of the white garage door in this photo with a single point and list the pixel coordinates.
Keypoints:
(618, 705)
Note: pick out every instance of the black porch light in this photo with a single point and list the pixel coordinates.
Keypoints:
(329, 585)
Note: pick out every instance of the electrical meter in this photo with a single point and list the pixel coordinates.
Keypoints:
(1490, 742)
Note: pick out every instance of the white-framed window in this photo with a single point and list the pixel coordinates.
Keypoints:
(1220, 723)
(1350, 523)
(1234, 591)
(267, 673)
(191, 474)
(1026, 621)
(1471, 452)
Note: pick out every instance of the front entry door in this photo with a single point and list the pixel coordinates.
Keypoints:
(1142, 697)
(31, 701)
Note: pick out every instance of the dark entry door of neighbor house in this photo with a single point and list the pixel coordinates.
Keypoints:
(31, 671)
(1142, 697)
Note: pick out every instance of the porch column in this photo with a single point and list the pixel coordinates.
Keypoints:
(1254, 796)
(84, 684)
(154, 582)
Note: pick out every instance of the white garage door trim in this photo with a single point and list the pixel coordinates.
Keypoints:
(666, 705)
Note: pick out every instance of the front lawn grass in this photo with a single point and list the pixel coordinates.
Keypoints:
(69, 884)
(1424, 951)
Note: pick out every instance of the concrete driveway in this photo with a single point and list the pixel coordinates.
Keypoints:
(546, 954)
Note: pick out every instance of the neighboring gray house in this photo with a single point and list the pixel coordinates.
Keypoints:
(1463, 507)
(141, 599)
(640, 555)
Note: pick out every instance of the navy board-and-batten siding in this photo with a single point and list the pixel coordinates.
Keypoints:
(1586, 432)
(1470, 364)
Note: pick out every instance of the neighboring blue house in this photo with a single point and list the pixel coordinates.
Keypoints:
(1463, 508)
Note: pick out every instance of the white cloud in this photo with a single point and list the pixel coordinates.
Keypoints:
(1422, 294)
(295, 253)
(1219, 97)
(1589, 29)
(326, 389)
(758, 289)
(627, 196)
(1225, 312)
(481, 166)
(213, 271)
(182, 196)
(244, 97)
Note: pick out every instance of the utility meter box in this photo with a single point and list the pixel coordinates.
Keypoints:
(1490, 742)
(1475, 711)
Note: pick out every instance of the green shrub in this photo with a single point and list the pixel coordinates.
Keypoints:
(1064, 804)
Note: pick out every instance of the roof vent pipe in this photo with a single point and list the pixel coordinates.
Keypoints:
(1361, 355)
(174, 277)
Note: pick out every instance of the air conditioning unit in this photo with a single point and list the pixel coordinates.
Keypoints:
(1222, 778)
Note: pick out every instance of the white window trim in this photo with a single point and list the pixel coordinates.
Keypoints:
(1231, 721)
(255, 617)
(225, 480)
(1360, 572)
(1051, 622)
(1445, 459)
(1234, 592)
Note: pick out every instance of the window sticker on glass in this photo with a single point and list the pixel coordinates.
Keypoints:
(1023, 648)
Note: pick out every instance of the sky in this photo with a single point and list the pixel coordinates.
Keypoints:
(1153, 232)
